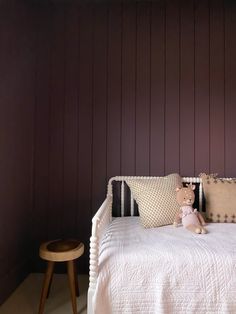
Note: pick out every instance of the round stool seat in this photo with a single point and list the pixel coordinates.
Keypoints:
(61, 250)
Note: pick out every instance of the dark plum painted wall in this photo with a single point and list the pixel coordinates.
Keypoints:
(16, 142)
(132, 89)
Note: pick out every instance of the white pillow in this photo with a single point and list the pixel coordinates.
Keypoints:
(156, 199)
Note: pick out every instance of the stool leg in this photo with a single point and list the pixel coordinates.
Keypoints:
(49, 287)
(76, 280)
(47, 279)
(71, 276)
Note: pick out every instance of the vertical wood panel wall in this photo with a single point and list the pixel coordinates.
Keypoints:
(144, 88)
(17, 77)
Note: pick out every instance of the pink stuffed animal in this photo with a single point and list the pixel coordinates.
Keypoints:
(191, 218)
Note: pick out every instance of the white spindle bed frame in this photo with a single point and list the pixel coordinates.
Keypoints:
(103, 218)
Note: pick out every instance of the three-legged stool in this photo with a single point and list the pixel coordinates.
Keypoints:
(61, 251)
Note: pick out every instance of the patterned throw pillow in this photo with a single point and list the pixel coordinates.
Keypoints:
(156, 199)
(220, 195)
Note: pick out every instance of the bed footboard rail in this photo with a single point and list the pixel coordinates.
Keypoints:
(100, 222)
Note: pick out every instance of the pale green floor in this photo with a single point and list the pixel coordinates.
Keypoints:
(25, 299)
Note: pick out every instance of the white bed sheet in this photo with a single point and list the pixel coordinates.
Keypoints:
(166, 270)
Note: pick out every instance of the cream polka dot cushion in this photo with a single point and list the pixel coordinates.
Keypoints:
(156, 199)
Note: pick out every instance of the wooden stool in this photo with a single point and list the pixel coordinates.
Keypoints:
(61, 251)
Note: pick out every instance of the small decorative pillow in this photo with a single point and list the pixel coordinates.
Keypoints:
(220, 195)
(156, 199)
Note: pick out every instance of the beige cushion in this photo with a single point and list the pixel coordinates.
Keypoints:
(156, 199)
(220, 198)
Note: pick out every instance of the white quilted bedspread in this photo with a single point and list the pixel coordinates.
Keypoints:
(166, 270)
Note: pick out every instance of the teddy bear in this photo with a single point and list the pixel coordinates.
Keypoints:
(191, 218)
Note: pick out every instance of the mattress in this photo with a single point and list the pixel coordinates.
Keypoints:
(166, 270)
